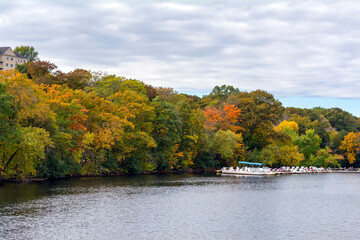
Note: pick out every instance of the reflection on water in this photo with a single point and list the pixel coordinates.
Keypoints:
(322, 206)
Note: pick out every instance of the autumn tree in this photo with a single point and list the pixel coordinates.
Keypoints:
(141, 114)
(192, 135)
(21, 158)
(259, 112)
(351, 146)
(311, 119)
(219, 94)
(77, 79)
(227, 145)
(287, 126)
(41, 72)
(222, 118)
(150, 92)
(166, 93)
(304, 122)
(214, 117)
(277, 155)
(325, 158)
(111, 84)
(21, 146)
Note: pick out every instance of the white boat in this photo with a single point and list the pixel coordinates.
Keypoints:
(260, 170)
(247, 170)
(301, 170)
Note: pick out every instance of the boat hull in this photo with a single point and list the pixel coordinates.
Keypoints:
(247, 173)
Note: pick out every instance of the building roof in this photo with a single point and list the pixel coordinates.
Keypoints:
(3, 49)
(19, 55)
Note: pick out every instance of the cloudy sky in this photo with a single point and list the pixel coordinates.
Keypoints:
(306, 53)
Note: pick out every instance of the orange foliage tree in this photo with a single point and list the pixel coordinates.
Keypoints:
(222, 119)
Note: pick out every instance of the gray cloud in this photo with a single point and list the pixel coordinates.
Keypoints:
(290, 48)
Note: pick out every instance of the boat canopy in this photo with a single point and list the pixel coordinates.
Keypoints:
(252, 163)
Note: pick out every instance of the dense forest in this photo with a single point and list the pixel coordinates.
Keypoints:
(55, 124)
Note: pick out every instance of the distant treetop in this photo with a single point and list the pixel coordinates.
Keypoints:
(28, 52)
(224, 91)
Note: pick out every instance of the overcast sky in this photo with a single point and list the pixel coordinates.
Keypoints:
(294, 49)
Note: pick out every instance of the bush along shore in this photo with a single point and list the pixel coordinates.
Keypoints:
(83, 123)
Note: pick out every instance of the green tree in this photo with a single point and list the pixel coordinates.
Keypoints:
(259, 112)
(223, 91)
(21, 158)
(107, 85)
(342, 120)
(308, 143)
(192, 133)
(324, 158)
(304, 122)
(277, 155)
(218, 95)
(226, 144)
(27, 51)
(7, 123)
(336, 138)
(21, 68)
(167, 134)
(322, 126)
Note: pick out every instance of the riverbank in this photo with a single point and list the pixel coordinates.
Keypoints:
(39, 180)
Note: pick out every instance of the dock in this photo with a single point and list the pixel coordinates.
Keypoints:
(335, 170)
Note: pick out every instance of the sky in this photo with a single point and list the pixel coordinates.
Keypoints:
(306, 53)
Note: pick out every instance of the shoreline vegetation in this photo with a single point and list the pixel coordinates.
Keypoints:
(40, 180)
(55, 125)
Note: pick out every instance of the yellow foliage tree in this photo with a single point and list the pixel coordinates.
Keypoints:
(287, 125)
(351, 146)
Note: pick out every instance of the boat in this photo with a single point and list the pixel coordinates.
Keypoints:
(260, 170)
(300, 170)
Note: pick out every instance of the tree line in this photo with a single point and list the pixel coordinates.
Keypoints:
(55, 124)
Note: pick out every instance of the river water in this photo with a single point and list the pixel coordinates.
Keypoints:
(186, 206)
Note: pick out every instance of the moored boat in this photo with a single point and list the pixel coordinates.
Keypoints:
(248, 170)
(260, 170)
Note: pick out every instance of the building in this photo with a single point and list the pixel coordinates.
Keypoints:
(9, 59)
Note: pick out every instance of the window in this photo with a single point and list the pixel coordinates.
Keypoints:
(11, 59)
(7, 64)
(11, 65)
(7, 58)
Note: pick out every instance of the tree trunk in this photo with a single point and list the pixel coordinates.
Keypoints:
(11, 158)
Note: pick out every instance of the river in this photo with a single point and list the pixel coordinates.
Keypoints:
(184, 206)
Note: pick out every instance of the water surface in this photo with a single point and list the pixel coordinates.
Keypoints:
(317, 206)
